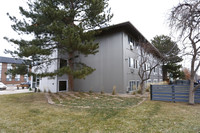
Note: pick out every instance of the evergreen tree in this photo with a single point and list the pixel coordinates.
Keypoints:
(170, 50)
(62, 26)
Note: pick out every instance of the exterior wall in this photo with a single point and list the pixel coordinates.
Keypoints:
(108, 63)
(52, 83)
(49, 83)
(12, 82)
(131, 74)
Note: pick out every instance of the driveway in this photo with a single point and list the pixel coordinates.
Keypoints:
(14, 90)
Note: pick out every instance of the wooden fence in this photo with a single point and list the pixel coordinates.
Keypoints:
(174, 93)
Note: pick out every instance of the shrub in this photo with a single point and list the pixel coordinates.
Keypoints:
(133, 93)
(139, 91)
(114, 90)
(102, 92)
(39, 90)
(90, 91)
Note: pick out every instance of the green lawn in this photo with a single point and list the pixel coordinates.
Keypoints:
(95, 113)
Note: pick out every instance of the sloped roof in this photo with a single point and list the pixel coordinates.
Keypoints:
(130, 29)
(10, 60)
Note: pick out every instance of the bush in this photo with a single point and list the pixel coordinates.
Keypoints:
(90, 91)
(102, 92)
(139, 91)
(133, 93)
(39, 90)
(114, 90)
(147, 90)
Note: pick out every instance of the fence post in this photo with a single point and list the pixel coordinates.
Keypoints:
(173, 93)
(151, 91)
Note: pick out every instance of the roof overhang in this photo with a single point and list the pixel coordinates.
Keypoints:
(131, 30)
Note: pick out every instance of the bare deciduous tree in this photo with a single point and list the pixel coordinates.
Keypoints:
(149, 59)
(185, 20)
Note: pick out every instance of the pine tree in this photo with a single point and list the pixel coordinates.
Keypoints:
(63, 26)
(170, 50)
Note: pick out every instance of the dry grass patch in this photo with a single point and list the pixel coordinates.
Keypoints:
(31, 113)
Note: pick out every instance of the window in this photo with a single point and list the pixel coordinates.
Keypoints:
(160, 71)
(63, 63)
(0, 70)
(130, 62)
(136, 64)
(145, 67)
(133, 63)
(17, 77)
(9, 76)
(26, 77)
(154, 70)
(62, 85)
(133, 85)
(131, 42)
(9, 66)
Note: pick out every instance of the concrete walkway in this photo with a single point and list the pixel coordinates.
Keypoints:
(13, 90)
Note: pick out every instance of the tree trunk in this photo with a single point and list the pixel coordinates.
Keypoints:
(70, 76)
(191, 92)
(164, 70)
(142, 87)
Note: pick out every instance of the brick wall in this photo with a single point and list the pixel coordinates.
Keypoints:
(3, 76)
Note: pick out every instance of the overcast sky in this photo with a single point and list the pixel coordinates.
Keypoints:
(148, 16)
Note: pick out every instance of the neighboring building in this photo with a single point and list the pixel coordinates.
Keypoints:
(116, 63)
(7, 63)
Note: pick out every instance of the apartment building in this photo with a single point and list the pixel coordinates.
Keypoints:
(7, 63)
(116, 63)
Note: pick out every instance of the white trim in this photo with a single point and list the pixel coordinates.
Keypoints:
(134, 82)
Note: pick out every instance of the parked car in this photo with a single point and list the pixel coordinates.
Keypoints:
(2, 86)
(24, 84)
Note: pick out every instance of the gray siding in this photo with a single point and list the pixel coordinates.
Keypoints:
(131, 74)
(108, 63)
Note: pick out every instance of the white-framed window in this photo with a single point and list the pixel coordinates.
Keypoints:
(155, 80)
(133, 85)
(131, 42)
(130, 62)
(9, 76)
(149, 81)
(154, 70)
(9, 66)
(17, 77)
(135, 64)
(160, 71)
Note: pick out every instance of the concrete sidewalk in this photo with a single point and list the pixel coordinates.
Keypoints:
(14, 90)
